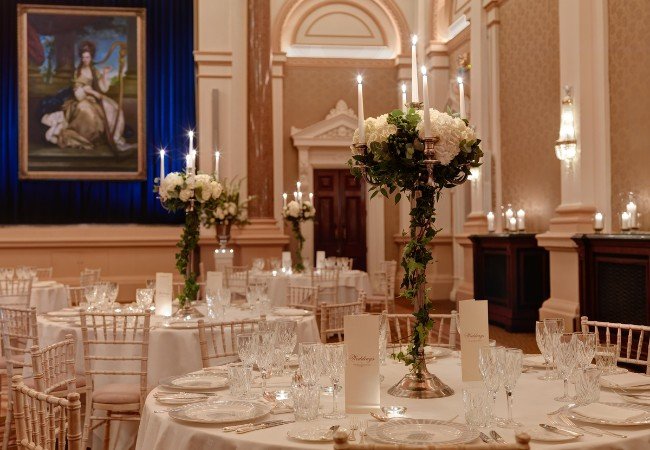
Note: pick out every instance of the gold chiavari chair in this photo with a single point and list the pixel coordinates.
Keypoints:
(237, 280)
(400, 328)
(88, 277)
(304, 297)
(383, 282)
(218, 341)
(327, 279)
(76, 295)
(125, 335)
(522, 442)
(19, 331)
(44, 273)
(54, 370)
(16, 291)
(44, 420)
(637, 339)
(331, 316)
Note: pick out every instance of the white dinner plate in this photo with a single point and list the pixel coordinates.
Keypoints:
(223, 411)
(180, 398)
(290, 312)
(312, 434)
(195, 382)
(422, 432)
(542, 435)
(642, 420)
(604, 382)
(436, 352)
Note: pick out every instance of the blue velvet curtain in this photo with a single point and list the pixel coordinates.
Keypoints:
(170, 110)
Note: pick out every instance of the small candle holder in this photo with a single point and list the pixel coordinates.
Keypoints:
(393, 411)
(599, 223)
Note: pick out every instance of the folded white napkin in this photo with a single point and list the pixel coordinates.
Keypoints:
(629, 379)
(607, 412)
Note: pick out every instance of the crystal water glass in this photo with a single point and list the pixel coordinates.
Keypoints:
(224, 297)
(512, 363)
(585, 344)
(606, 356)
(286, 334)
(491, 360)
(240, 378)
(477, 406)
(334, 358)
(306, 401)
(545, 345)
(555, 328)
(310, 361)
(264, 343)
(110, 291)
(144, 298)
(567, 359)
(587, 385)
(246, 349)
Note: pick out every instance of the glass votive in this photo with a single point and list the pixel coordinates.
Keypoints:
(394, 411)
(306, 401)
(477, 406)
(606, 356)
(240, 379)
(588, 385)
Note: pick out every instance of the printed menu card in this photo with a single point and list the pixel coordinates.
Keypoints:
(362, 363)
(286, 260)
(214, 282)
(320, 259)
(474, 334)
(163, 300)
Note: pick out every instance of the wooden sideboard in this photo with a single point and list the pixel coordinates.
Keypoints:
(615, 277)
(512, 273)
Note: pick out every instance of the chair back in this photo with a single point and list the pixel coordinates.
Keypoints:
(44, 420)
(305, 297)
(383, 284)
(88, 277)
(115, 344)
(19, 333)
(17, 291)
(53, 366)
(327, 279)
(331, 316)
(522, 442)
(219, 340)
(76, 295)
(237, 280)
(443, 333)
(44, 273)
(636, 338)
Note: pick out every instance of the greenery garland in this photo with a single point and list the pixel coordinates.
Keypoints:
(187, 245)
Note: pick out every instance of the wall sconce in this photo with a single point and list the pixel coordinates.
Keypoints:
(566, 147)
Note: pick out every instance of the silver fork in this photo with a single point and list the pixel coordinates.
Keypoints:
(354, 425)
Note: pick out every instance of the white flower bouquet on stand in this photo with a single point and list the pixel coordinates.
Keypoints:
(295, 213)
(226, 210)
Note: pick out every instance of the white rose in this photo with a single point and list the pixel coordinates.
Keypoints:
(217, 189)
(293, 209)
(232, 209)
(219, 214)
(203, 186)
(449, 131)
(186, 194)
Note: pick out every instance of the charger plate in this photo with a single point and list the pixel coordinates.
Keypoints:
(224, 411)
(195, 382)
(422, 432)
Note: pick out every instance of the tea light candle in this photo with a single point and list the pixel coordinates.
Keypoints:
(521, 220)
(393, 410)
(490, 222)
(281, 395)
(598, 222)
(625, 221)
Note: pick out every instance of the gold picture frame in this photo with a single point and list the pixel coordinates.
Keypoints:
(82, 93)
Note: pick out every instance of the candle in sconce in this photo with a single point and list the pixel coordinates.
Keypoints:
(191, 135)
(625, 221)
(490, 222)
(284, 200)
(404, 97)
(217, 157)
(512, 224)
(425, 95)
(162, 164)
(461, 97)
(414, 71)
(361, 125)
(631, 210)
(311, 197)
(521, 220)
(295, 195)
(598, 222)
(298, 184)
(188, 163)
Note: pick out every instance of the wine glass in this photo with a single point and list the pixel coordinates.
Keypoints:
(246, 349)
(490, 362)
(511, 371)
(310, 361)
(566, 360)
(224, 297)
(264, 342)
(90, 293)
(286, 335)
(555, 327)
(545, 345)
(110, 293)
(585, 348)
(334, 358)
(144, 298)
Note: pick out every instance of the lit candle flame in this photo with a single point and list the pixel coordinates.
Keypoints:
(359, 79)
(414, 39)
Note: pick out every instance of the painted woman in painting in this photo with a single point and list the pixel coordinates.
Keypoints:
(89, 117)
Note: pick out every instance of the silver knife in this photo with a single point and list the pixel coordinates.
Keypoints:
(230, 428)
(497, 437)
(263, 426)
(562, 431)
(485, 438)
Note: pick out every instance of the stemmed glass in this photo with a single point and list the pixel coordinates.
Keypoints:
(110, 294)
(566, 359)
(286, 335)
(144, 298)
(554, 328)
(310, 361)
(246, 349)
(490, 363)
(585, 348)
(545, 345)
(224, 297)
(334, 358)
(264, 342)
(511, 371)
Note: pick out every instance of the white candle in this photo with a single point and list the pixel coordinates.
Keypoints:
(631, 210)
(490, 221)
(598, 222)
(521, 220)
(284, 200)
(311, 198)
(217, 156)
(361, 125)
(191, 135)
(300, 197)
(625, 221)
(162, 164)
(513, 224)
(414, 70)
(461, 97)
(295, 195)
(404, 97)
(298, 186)
(425, 95)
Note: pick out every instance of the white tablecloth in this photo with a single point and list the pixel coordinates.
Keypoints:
(350, 283)
(46, 296)
(533, 398)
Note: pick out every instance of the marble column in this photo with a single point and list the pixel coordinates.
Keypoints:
(260, 110)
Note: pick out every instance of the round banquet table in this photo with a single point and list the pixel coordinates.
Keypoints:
(350, 283)
(46, 296)
(533, 398)
(172, 351)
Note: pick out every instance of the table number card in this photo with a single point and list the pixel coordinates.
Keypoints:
(320, 259)
(362, 363)
(474, 334)
(286, 260)
(214, 282)
(164, 287)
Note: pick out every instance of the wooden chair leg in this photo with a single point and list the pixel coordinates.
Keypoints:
(8, 420)
(107, 432)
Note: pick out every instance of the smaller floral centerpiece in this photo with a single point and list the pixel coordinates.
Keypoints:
(225, 211)
(294, 213)
(190, 193)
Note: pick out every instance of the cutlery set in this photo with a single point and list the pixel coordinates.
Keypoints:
(248, 427)
(493, 437)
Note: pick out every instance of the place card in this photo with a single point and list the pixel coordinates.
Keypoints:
(320, 259)
(286, 260)
(362, 363)
(164, 294)
(474, 334)
(214, 282)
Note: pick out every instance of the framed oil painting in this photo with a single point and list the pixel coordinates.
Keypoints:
(81, 78)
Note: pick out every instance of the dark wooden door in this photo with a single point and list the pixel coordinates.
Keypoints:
(340, 228)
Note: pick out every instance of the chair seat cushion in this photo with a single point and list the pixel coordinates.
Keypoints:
(117, 394)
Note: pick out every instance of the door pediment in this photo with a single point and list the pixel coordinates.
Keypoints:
(335, 130)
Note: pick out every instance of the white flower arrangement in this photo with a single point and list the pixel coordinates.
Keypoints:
(299, 211)
(226, 207)
(177, 190)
